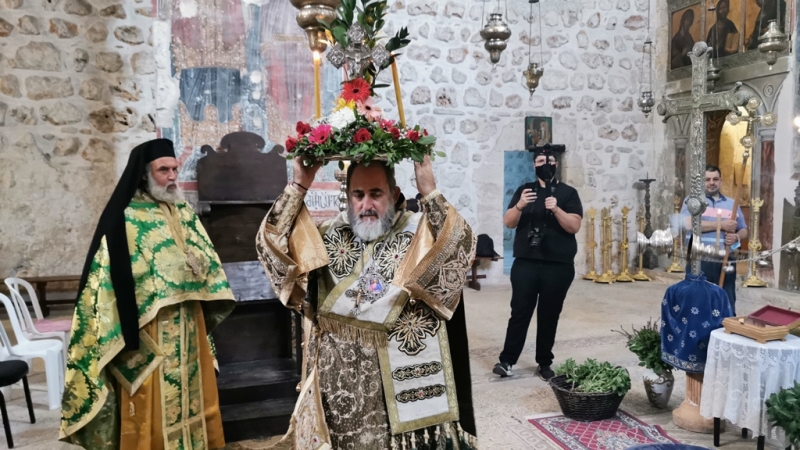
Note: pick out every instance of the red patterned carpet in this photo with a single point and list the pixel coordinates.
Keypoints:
(618, 433)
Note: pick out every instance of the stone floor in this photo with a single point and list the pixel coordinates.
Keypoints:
(591, 312)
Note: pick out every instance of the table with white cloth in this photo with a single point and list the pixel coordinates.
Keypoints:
(740, 376)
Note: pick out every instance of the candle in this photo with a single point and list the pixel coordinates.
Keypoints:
(317, 95)
(397, 95)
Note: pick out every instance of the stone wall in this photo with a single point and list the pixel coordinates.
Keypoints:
(592, 56)
(76, 94)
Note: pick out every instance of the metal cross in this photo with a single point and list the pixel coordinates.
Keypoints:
(700, 103)
(358, 55)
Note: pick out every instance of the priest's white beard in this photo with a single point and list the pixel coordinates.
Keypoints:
(368, 231)
(163, 193)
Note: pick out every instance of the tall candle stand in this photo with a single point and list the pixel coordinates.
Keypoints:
(624, 276)
(640, 275)
(676, 267)
(755, 246)
(591, 244)
(649, 256)
(605, 226)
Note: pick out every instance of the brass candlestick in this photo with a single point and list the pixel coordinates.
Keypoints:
(640, 275)
(755, 246)
(605, 226)
(591, 244)
(676, 267)
(624, 276)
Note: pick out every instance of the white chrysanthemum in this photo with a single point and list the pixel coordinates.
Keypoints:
(342, 118)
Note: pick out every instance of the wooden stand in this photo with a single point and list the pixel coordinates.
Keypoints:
(473, 281)
(687, 416)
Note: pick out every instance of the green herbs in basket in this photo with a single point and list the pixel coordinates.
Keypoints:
(595, 377)
(783, 410)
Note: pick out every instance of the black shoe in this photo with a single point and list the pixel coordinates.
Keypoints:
(502, 369)
(545, 373)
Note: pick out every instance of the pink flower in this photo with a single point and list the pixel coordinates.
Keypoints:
(290, 144)
(320, 134)
(386, 125)
(413, 135)
(368, 109)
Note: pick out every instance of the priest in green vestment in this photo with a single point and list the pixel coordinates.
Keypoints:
(386, 362)
(140, 367)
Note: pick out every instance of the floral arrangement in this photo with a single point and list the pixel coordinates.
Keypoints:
(356, 130)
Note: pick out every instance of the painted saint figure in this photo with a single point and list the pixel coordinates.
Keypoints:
(682, 42)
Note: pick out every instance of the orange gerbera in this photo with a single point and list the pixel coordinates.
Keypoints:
(356, 90)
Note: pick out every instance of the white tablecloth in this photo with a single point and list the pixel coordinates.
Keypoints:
(740, 376)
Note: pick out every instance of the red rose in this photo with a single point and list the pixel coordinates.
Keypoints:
(290, 144)
(362, 135)
(395, 133)
(413, 135)
(303, 128)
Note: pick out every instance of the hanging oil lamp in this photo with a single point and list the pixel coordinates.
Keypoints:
(534, 72)
(772, 42)
(646, 100)
(496, 34)
(310, 13)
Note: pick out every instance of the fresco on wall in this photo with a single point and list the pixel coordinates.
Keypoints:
(685, 24)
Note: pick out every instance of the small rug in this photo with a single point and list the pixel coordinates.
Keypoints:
(618, 433)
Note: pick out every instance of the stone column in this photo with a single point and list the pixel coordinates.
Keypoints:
(687, 416)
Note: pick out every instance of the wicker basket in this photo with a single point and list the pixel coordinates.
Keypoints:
(586, 407)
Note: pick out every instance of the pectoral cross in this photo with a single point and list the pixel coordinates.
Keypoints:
(358, 55)
(700, 103)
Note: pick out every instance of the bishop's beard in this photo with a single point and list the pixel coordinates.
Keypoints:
(369, 231)
(163, 193)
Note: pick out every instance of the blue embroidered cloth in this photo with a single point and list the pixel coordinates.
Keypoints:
(690, 311)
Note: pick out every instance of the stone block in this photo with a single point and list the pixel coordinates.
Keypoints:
(578, 81)
(568, 60)
(130, 35)
(420, 95)
(40, 88)
(608, 132)
(596, 82)
(148, 123)
(38, 56)
(424, 30)
(49, 5)
(556, 80)
(99, 151)
(98, 32)
(108, 61)
(80, 58)
(593, 160)
(460, 155)
(110, 120)
(24, 115)
(529, 40)
(473, 97)
(446, 97)
(457, 55)
(9, 85)
(454, 9)
(3, 110)
(551, 18)
(114, 11)
(604, 105)
(583, 39)
(599, 120)
(453, 179)
(62, 113)
(586, 103)
(617, 84)
(625, 63)
(423, 53)
(592, 60)
(77, 7)
(458, 76)
(513, 101)
(5, 28)
(11, 4)
(63, 29)
(509, 76)
(601, 44)
(127, 89)
(144, 64)
(465, 33)
(495, 99)
(28, 25)
(444, 34)
(635, 23)
(93, 89)
(594, 20)
(145, 12)
(556, 40)
(614, 160)
(563, 102)
(619, 44)
(67, 146)
(449, 125)
(428, 7)
(437, 75)
(569, 17)
(468, 126)
(483, 78)
(629, 133)
(617, 119)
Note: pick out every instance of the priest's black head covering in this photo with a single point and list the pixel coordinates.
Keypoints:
(112, 226)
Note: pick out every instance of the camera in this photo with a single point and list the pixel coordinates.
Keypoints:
(535, 237)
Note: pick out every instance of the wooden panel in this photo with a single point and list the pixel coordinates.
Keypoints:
(254, 331)
(233, 228)
(239, 171)
(248, 281)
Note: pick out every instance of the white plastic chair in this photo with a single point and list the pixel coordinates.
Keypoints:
(41, 328)
(47, 349)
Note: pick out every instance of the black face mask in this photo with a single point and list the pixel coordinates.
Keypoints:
(546, 171)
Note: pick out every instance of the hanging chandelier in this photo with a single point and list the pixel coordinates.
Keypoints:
(773, 41)
(534, 73)
(309, 16)
(496, 33)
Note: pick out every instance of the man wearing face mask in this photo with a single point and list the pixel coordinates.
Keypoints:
(546, 214)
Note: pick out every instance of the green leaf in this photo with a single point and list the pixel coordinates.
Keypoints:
(426, 140)
(440, 154)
